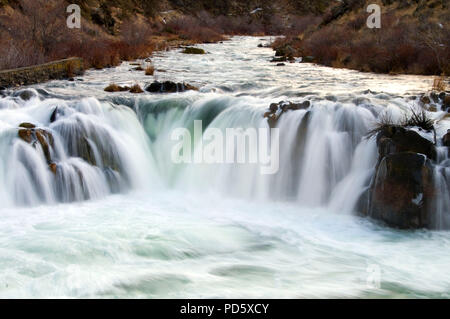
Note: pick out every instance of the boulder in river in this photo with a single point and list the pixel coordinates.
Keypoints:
(393, 139)
(36, 136)
(402, 191)
(169, 87)
(273, 114)
(192, 50)
(446, 139)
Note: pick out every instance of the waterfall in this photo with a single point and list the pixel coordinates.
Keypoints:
(70, 151)
(88, 149)
(324, 159)
(441, 202)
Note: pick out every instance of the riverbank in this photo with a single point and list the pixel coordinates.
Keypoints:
(56, 70)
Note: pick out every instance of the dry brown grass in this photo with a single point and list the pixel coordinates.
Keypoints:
(136, 88)
(116, 88)
(150, 70)
(439, 84)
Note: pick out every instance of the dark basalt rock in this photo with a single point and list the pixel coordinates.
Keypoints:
(396, 139)
(446, 139)
(26, 94)
(169, 87)
(192, 50)
(279, 59)
(308, 59)
(273, 115)
(402, 191)
(446, 101)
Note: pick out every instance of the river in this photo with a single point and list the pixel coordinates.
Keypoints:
(137, 225)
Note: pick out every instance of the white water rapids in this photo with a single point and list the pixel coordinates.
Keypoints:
(128, 222)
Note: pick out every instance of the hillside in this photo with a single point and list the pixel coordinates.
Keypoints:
(414, 37)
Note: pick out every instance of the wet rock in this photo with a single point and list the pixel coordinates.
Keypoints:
(425, 100)
(286, 106)
(169, 87)
(279, 59)
(402, 191)
(26, 95)
(54, 115)
(446, 101)
(27, 125)
(36, 137)
(308, 59)
(396, 139)
(26, 135)
(273, 107)
(281, 64)
(273, 114)
(53, 167)
(434, 97)
(284, 51)
(192, 50)
(446, 139)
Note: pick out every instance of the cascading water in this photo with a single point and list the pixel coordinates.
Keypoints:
(72, 151)
(136, 224)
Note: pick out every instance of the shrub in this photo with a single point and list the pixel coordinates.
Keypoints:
(150, 70)
(439, 84)
(136, 89)
(116, 88)
(418, 118)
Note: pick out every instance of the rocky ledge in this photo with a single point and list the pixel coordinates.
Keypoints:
(403, 189)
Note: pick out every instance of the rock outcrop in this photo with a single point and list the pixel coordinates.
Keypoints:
(37, 137)
(277, 109)
(446, 139)
(402, 189)
(169, 87)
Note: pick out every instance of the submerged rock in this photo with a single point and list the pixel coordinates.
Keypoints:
(169, 87)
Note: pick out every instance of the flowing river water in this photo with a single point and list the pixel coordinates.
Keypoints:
(128, 222)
